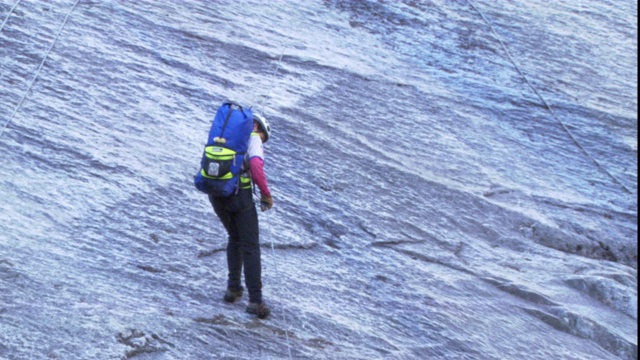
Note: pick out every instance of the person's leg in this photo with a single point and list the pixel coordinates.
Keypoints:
(248, 231)
(234, 255)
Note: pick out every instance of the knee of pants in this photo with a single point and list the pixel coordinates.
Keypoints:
(233, 243)
(250, 247)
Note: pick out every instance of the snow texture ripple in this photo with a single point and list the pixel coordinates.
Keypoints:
(428, 204)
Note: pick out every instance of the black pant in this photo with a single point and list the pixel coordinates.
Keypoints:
(240, 218)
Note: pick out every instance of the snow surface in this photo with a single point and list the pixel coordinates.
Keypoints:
(452, 179)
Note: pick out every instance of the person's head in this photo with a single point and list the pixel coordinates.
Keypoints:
(261, 126)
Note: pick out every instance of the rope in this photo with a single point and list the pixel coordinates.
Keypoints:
(615, 180)
(39, 67)
(265, 100)
(275, 265)
(9, 15)
(273, 77)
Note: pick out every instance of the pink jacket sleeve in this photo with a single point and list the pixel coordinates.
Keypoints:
(256, 167)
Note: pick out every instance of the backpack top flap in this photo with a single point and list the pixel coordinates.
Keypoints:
(234, 124)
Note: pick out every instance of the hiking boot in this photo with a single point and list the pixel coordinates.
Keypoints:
(261, 310)
(231, 295)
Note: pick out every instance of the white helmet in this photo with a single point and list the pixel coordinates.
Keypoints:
(264, 124)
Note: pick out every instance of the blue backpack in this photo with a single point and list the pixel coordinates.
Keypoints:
(224, 153)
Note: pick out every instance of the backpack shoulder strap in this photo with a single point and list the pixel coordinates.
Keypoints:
(221, 139)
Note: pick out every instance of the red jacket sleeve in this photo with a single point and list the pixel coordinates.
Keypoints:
(256, 167)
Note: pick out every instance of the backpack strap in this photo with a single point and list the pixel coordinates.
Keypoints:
(220, 139)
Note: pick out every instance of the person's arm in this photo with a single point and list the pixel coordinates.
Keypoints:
(256, 167)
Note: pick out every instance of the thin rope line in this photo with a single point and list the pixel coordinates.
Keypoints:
(39, 68)
(275, 265)
(9, 15)
(273, 77)
(615, 180)
(265, 100)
